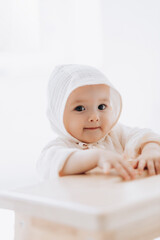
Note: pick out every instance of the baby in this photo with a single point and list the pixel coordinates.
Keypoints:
(83, 109)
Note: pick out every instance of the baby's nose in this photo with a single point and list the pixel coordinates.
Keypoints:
(93, 118)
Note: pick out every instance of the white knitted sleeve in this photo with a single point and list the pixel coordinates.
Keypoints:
(53, 158)
(132, 139)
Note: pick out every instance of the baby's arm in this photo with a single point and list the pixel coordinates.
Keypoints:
(133, 140)
(82, 161)
(57, 159)
(143, 145)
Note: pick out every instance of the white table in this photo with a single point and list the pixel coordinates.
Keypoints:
(91, 206)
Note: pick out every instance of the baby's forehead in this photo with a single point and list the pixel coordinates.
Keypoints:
(87, 92)
(97, 87)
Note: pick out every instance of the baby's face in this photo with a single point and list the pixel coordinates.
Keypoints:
(88, 114)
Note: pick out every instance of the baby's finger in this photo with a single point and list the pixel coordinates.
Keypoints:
(106, 167)
(151, 168)
(141, 165)
(128, 168)
(157, 166)
(120, 169)
(134, 163)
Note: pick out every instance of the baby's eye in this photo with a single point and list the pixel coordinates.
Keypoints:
(102, 106)
(79, 108)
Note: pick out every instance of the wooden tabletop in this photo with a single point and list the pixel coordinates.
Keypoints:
(90, 201)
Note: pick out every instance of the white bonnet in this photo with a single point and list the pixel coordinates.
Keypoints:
(66, 78)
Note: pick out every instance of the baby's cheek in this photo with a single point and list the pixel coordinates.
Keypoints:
(107, 123)
(73, 126)
(76, 125)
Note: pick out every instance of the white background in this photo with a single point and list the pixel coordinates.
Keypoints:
(121, 38)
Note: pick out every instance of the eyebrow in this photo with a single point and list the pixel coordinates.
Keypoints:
(85, 100)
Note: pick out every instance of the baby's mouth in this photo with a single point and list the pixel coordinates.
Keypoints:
(92, 128)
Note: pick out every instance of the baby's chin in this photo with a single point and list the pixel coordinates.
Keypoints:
(93, 138)
(90, 140)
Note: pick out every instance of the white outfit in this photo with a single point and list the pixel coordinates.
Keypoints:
(119, 138)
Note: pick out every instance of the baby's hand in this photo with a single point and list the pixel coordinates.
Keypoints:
(150, 159)
(108, 159)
